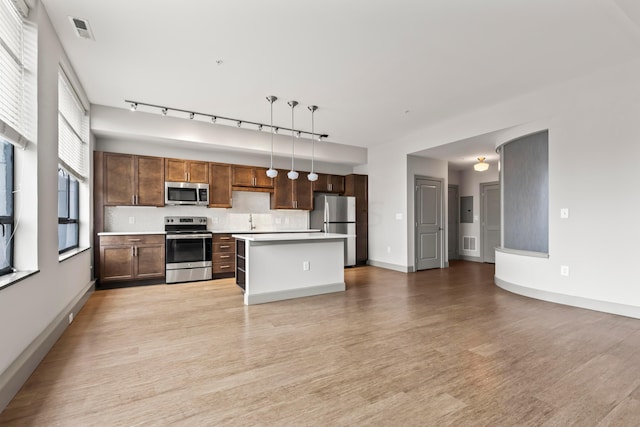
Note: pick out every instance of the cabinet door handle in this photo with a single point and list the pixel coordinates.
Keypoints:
(134, 240)
(133, 251)
(133, 199)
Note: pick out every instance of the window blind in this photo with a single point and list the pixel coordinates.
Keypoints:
(13, 120)
(73, 129)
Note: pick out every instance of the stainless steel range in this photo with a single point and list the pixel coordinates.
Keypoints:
(188, 249)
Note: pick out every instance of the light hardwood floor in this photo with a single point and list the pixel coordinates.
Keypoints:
(438, 347)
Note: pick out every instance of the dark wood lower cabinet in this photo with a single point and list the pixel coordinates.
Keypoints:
(131, 257)
(241, 277)
(224, 256)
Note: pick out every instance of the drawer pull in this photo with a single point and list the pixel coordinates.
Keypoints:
(225, 238)
(134, 240)
(225, 256)
(225, 266)
(225, 247)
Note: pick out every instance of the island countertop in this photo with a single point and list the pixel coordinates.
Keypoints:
(279, 237)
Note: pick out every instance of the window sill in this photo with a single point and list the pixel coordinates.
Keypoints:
(71, 253)
(13, 278)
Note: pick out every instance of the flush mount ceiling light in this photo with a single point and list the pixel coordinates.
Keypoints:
(292, 174)
(272, 173)
(481, 166)
(312, 176)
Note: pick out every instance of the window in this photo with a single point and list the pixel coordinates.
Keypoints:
(72, 159)
(15, 117)
(68, 211)
(6, 207)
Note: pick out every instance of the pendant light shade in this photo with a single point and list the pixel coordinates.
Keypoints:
(271, 172)
(292, 174)
(481, 166)
(312, 176)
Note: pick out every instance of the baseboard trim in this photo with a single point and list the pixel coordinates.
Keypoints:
(14, 377)
(573, 301)
(471, 258)
(388, 266)
(294, 293)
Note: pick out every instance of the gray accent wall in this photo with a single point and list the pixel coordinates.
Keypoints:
(525, 175)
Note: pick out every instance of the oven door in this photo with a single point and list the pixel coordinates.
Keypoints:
(188, 250)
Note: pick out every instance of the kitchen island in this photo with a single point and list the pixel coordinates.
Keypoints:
(274, 267)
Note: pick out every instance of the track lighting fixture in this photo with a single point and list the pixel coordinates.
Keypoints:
(260, 128)
(312, 175)
(215, 118)
(272, 173)
(292, 174)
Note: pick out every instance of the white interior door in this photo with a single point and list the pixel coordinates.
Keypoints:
(428, 215)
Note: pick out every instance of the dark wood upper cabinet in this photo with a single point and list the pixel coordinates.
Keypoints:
(357, 186)
(329, 183)
(292, 194)
(178, 170)
(133, 180)
(251, 177)
(220, 185)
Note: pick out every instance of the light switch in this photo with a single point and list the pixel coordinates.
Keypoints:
(399, 216)
(564, 213)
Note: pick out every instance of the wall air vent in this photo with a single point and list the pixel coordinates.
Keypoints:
(82, 28)
(469, 243)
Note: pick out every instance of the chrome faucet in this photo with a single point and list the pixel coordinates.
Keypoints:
(253, 227)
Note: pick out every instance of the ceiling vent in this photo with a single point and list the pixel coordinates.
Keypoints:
(82, 28)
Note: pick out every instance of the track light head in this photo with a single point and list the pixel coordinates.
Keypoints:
(239, 124)
(260, 128)
(134, 106)
(164, 111)
(275, 130)
(298, 134)
(213, 119)
(191, 116)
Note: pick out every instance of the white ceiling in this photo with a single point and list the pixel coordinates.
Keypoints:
(377, 69)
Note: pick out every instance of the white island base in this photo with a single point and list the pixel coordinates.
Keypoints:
(284, 266)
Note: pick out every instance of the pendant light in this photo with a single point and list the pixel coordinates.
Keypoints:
(292, 174)
(312, 176)
(272, 173)
(481, 166)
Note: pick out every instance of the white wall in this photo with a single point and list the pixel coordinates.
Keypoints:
(593, 150)
(28, 307)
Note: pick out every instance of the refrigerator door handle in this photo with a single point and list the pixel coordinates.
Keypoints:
(326, 215)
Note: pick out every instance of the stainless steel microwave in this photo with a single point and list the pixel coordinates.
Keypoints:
(186, 193)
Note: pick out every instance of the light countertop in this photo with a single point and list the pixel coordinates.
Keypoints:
(133, 233)
(128, 233)
(278, 237)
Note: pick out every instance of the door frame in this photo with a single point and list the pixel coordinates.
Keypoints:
(457, 223)
(482, 218)
(416, 240)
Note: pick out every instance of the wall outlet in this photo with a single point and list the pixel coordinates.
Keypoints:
(286, 220)
(564, 213)
(564, 270)
(278, 221)
(132, 220)
(399, 216)
(70, 317)
(214, 220)
(305, 266)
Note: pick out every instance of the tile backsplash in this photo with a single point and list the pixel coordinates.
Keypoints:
(143, 218)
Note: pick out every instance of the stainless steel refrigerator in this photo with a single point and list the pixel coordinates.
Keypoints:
(337, 214)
